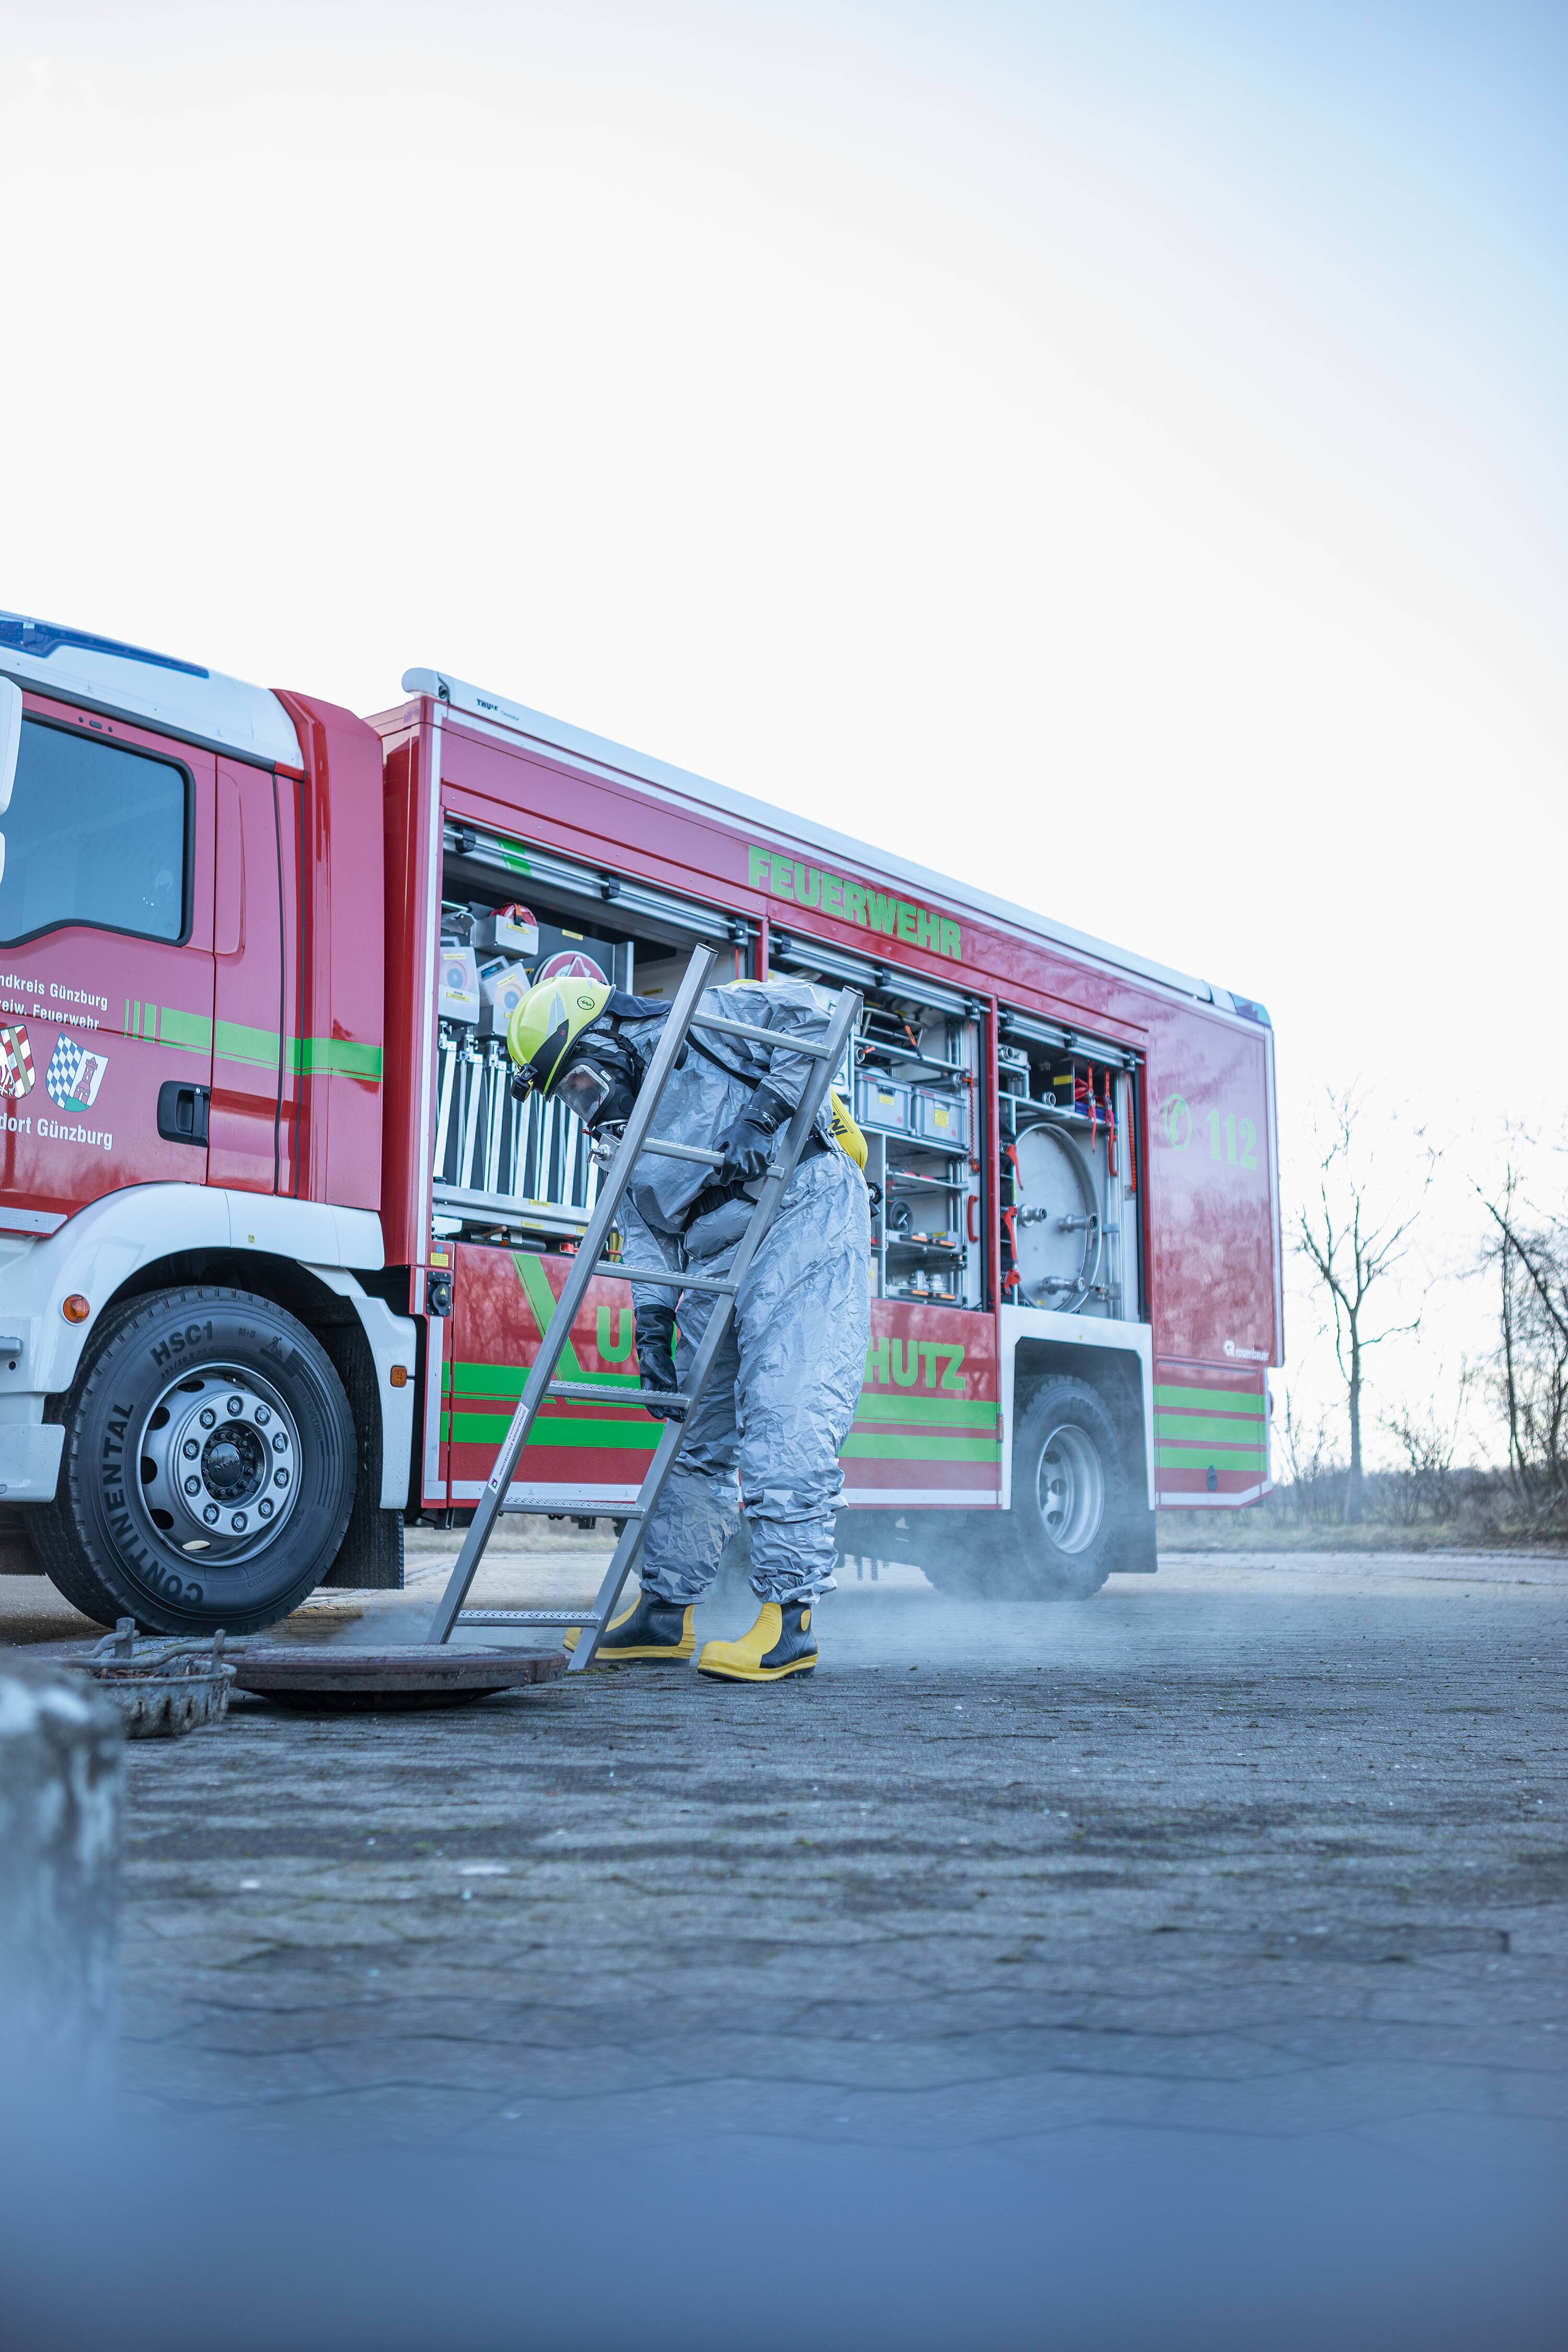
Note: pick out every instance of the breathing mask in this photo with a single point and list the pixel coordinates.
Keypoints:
(599, 1083)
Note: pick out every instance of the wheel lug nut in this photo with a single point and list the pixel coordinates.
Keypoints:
(236, 1404)
(279, 1443)
(211, 1515)
(193, 1486)
(280, 1477)
(190, 1449)
(264, 1508)
(208, 1416)
(262, 1416)
(238, 1522)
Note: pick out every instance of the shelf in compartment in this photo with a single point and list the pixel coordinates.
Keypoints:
(926, 1249)
(506, 1208)
(927, 1183)
(1051, 1110)
(901, 1064)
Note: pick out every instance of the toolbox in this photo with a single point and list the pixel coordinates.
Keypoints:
(942, 1119)
(510, 931)
(883, 1102)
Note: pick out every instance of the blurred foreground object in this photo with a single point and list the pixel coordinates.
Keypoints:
(62, 1788)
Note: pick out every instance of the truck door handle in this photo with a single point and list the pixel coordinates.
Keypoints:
(182, 1112)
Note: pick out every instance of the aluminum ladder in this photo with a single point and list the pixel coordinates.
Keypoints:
(636, 1141)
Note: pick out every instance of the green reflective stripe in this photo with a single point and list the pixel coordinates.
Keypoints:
(883, 1447)
(1214, 1400)
(233, 1042)
(514, 856)
(309, 1057)
(1169, 1453)
(490, 1428)
(952, 1411)
(334, 1057)
(192, 1031)
(541, 1298)
(506, 1381)
(1197, 1427)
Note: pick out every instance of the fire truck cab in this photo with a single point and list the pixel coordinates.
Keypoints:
(277, 1244)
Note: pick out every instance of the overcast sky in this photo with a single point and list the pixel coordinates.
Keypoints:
(1115, 451)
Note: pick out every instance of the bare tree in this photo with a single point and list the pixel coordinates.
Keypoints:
(1429, 1442)
(1530, 1251)
(1353, 1235)
(1311, 1467)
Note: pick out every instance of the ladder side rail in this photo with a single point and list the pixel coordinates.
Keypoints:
(782, 1167)
(776, 1038)
(629, 1543)
(585, 1266)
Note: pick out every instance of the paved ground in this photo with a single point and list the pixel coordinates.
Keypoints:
(1250, 1847)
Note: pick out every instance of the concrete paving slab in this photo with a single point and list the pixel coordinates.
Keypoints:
(1261, 1846)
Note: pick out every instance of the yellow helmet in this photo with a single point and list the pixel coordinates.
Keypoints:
(547, 1020)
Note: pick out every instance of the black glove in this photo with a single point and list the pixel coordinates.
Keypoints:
(656, 1351)
(747, 1142)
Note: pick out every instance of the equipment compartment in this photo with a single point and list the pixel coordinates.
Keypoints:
(513, 1172)
(1069, 1207)
(914, 1077)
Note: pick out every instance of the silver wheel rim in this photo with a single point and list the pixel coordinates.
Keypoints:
(218, 1463)
(1070, 1483)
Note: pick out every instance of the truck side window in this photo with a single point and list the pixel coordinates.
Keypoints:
(95, 834)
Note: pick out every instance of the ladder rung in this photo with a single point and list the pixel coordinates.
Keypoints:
(781, 1039)
(527, 1617)
(683, 1151)
(567, 1506)
(662, 1274)
(597, 1393)
(670, 1400)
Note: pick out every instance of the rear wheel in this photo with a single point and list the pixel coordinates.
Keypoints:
(209, 1467)
(1070, 1508)
(1069, 1495)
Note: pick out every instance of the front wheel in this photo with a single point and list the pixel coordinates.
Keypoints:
(209, 1467)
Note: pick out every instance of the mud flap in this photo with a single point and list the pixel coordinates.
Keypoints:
(371, 1558)
(1135, 1551)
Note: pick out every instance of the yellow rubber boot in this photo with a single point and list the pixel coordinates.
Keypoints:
(780, 1643)
(650, 1628)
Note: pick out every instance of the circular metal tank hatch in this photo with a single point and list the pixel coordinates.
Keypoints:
(1057, 1230)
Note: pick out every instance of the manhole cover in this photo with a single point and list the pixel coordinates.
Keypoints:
(326, 1679)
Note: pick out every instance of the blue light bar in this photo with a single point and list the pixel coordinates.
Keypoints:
(42, 638)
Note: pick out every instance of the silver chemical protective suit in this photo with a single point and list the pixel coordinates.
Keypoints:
(782, 1394)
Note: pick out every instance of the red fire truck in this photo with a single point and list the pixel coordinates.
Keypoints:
(278, 1246)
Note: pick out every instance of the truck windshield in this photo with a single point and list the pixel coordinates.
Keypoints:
(95, 834)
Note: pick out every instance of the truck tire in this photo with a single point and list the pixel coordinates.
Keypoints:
(1071, 1493)
(209, 1465)
(1070, 1509)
